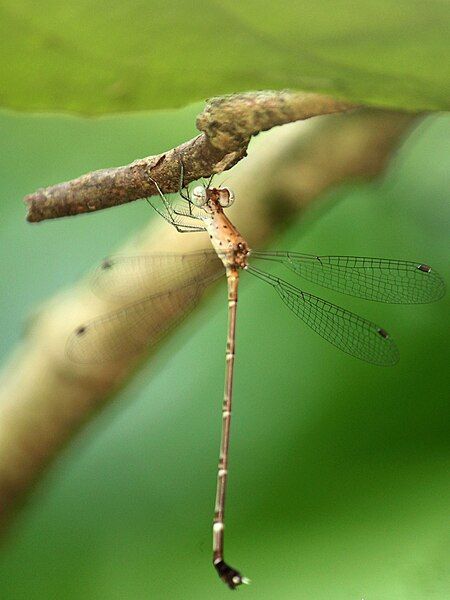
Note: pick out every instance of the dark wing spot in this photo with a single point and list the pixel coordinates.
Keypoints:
(107, 263)
(80, 330)
(383, 333)
(424, 268)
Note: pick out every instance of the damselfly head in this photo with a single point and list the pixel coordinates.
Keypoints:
(198, 195)
(226, 197)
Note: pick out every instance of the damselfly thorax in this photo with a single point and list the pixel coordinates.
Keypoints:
(230, 246)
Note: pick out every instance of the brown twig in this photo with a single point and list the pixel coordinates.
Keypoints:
(227, 124)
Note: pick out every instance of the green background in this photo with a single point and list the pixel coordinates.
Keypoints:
(113, 56)
(339, 483)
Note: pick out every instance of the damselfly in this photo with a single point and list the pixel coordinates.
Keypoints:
(130, 327)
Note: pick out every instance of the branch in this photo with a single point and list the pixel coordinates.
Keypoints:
(227, 123)
(45, 398)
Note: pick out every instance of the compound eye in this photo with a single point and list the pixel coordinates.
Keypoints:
(198, 195)
(226, 197)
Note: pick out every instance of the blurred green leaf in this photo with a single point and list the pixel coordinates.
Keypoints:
(112, 56)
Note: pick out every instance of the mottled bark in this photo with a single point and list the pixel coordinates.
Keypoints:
(227, 124)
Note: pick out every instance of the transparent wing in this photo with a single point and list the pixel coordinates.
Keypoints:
(381, 279)
(345, 330)
(125, 277)
(173, 283)
(134, 327)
